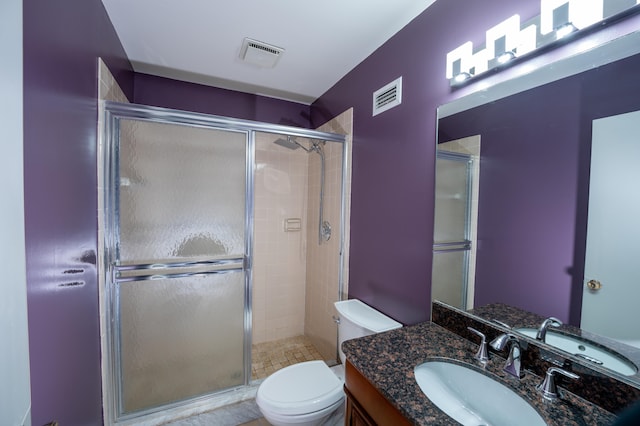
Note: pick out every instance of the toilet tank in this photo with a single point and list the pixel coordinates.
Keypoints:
(358, 319)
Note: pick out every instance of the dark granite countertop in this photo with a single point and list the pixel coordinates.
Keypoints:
(387, 361)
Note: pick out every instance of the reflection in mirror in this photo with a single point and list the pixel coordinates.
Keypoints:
(585, 349)
(455, 223)
(533, 205)
(609, 303)
(591, 350)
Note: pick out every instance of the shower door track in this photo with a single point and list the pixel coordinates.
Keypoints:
(111, 113)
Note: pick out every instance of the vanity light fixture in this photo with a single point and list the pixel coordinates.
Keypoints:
(462, 77)
(564, 30)
(510, 41)
(506, 57)
(459, 61)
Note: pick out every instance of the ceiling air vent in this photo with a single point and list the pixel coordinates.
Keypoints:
(261, 54)
(387, 97)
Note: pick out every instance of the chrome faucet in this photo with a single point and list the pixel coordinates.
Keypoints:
(514, 363)
(482, 354)
(548, 386)
(549, 322)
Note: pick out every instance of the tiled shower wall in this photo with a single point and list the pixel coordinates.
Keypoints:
(296, 280)
(108, 87)
(279, 265)
(323, 261)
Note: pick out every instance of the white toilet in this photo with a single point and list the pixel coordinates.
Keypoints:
(306, 394)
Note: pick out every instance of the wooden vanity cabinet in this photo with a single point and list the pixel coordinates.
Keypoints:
(354, 413)
(365, 405)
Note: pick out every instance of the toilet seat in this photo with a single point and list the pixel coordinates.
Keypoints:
(299, 389)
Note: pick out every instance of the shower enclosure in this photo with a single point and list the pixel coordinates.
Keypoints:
(178, 256)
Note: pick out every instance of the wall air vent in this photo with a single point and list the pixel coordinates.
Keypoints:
(261, 54)
(387, 97)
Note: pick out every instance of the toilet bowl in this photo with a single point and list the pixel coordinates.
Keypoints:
(307, 394)
(301, 394)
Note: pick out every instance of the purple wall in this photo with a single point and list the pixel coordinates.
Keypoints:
(62, 41)
(168, 93)
(393, 153)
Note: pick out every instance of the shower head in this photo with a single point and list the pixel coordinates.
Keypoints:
(289, 143)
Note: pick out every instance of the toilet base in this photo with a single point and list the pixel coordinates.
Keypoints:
(316, 418)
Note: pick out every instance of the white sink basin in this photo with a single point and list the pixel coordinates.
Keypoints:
(471, 398)
(586, 350)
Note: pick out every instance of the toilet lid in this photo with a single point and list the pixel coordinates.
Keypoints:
(300, 389)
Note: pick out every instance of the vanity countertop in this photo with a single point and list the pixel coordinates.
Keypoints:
(387, 361)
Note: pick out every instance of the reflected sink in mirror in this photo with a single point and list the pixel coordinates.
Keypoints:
(472, 398)
(585, 350)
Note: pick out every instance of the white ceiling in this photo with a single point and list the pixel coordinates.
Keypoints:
(200, 40)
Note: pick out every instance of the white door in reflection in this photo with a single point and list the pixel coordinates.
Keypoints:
(612, 263)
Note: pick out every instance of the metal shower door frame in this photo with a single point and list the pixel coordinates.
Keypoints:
(463, 245)
(112, 113)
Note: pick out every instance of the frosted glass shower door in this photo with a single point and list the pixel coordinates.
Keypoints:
(451, 229)
(179, 281)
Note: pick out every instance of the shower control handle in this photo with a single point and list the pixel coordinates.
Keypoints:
(326, 231)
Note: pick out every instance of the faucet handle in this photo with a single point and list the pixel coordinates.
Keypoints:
(483, 351)
(513, 362)
(553, 322)
(549, 322)
(501, 341)
(548, 386)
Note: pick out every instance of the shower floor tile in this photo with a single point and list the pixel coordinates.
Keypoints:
(269, 357)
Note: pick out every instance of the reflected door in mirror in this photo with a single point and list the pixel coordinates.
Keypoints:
(612, 290)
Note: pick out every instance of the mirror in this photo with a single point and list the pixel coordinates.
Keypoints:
(533, 202)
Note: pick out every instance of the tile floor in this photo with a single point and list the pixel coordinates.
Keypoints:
(244, 413)
(270, 357)
(267, 357)
(241, 413)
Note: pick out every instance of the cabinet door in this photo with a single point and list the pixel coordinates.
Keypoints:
(355, 415)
